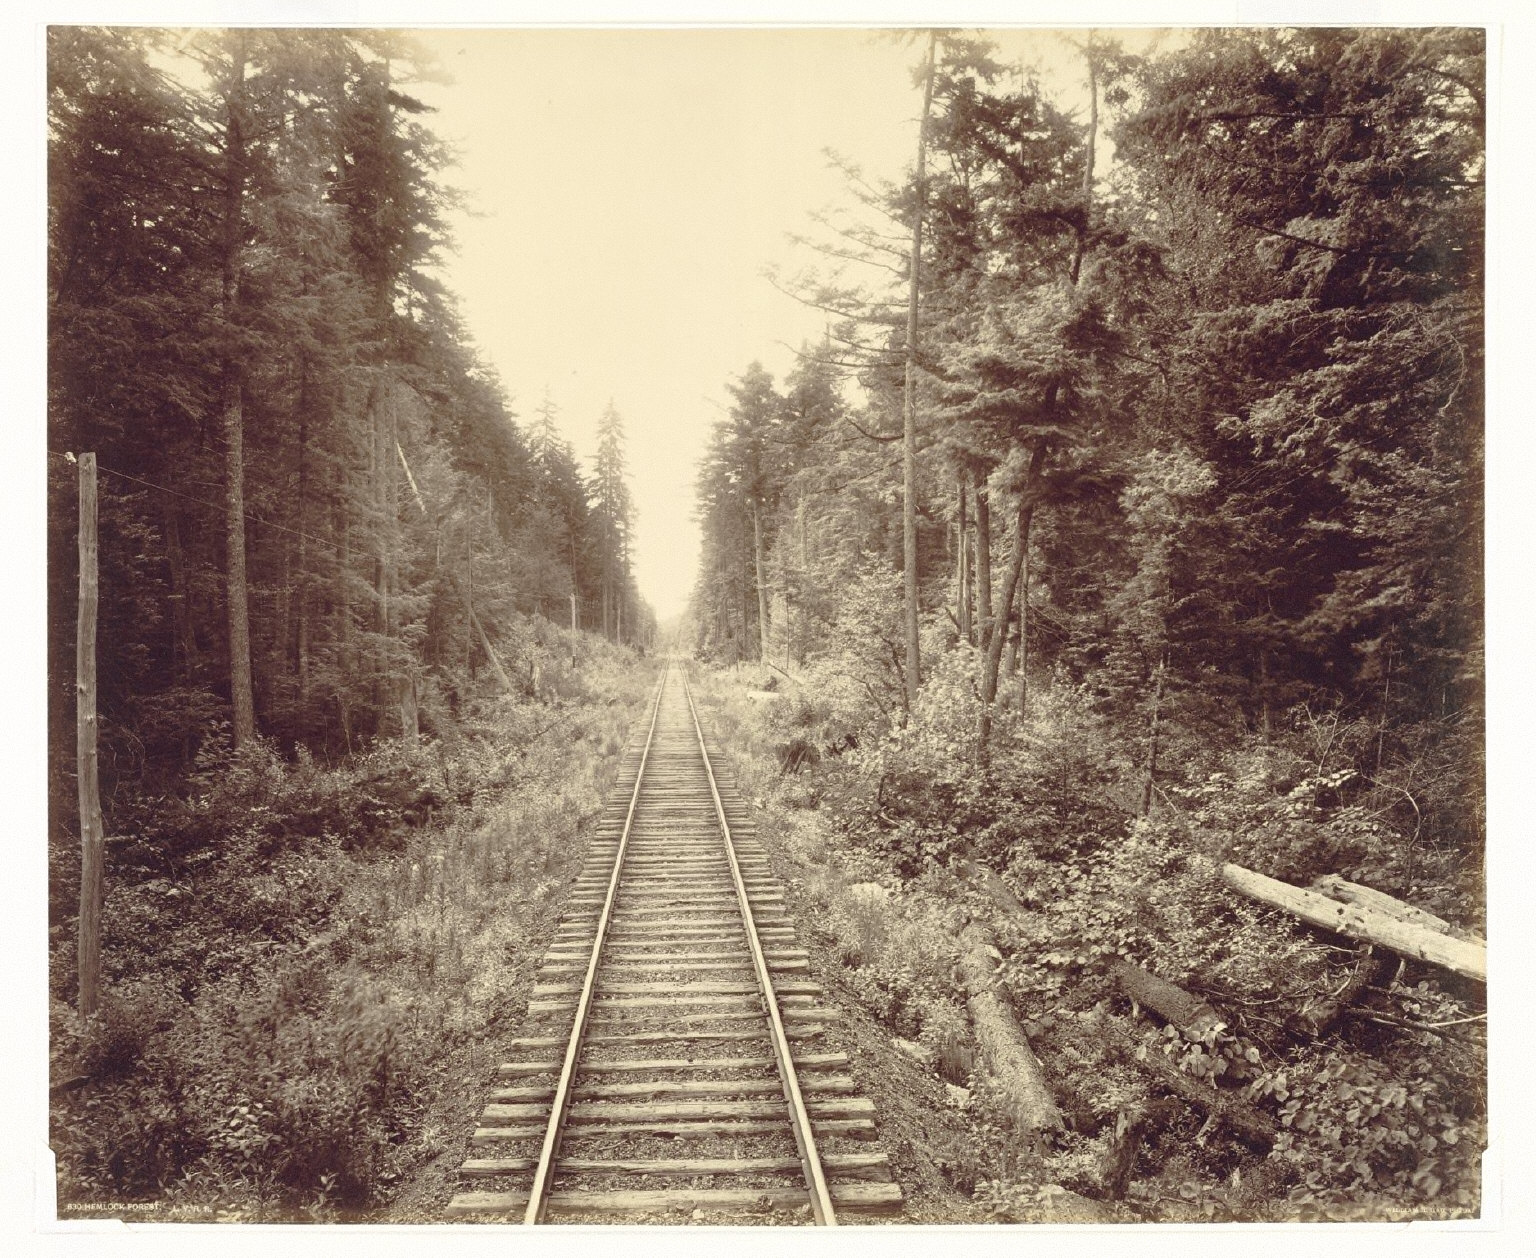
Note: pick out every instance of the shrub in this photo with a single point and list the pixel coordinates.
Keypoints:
(128, 1024)
(288, 972)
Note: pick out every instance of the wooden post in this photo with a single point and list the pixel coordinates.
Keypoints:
(92, 837)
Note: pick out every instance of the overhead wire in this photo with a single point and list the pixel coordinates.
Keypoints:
(203, 502)
(583, 601)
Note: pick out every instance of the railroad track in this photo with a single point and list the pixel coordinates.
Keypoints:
(673, 1058)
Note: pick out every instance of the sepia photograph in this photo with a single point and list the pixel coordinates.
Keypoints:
(765, 625)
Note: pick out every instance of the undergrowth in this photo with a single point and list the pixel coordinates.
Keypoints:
(1380, 1116)
(293, 952)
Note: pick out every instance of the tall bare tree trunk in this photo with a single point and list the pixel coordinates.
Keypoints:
(240, 689)
(1024, 633)
(1089, 51)
(983, 563)
(801, 623)
(92, 829)
(242, 700)
(342, 597)
(992, 658)
(410, 712)
(402, 676)
(992, 661)
(301, 611)
(469, 600)
(378, 469)
(1386, 698)
(909, 396)
(183, 641)
(962, 566)
(575, 617)
(1159, 684)
(280, 654)
(762, 585)
(485, 641)
(1266, 730)
(607, 608)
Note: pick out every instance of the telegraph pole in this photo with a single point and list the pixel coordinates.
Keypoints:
(92, 836)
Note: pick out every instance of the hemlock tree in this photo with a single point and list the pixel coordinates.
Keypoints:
(270, 224)
(613, 511)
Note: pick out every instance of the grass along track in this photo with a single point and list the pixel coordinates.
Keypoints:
(669, 1018)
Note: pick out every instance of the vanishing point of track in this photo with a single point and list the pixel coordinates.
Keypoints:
(671, 1059)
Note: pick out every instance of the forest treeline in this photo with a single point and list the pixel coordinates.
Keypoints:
(319, 520)
(367, 644)
(1201, 432)
(1190, 443)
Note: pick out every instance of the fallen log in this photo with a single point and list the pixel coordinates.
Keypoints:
(1337, 888)
(70, 1085)
(1359, 922)
(1192, 1015)
(1004, 1048)
(1243, 1120)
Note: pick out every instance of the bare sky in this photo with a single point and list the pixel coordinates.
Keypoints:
(631, 186)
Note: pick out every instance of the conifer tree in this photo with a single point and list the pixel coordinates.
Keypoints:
(614, 512)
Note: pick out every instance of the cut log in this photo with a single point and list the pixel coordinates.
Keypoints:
(1337, 888)
(1004, 1048)
(1192, 1015)
(1359, 922)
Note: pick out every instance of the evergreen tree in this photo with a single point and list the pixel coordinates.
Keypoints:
(613, 510)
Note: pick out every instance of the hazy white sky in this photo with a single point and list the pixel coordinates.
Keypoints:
(630, 187)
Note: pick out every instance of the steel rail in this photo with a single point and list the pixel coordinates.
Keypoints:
(800, 1120)
(538, 1195)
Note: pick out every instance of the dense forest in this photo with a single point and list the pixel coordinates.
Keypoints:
(339, 582)
(1125, 524)
(316, 505)
(1115, 555)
